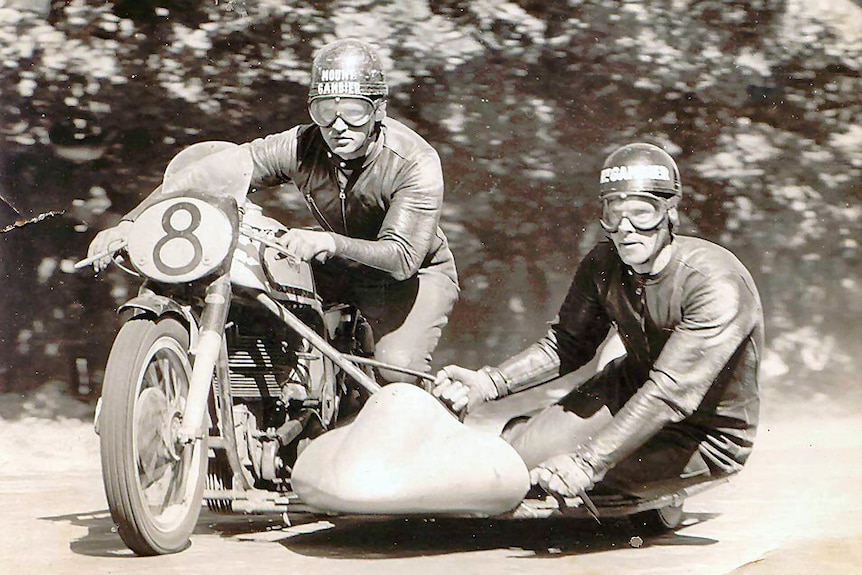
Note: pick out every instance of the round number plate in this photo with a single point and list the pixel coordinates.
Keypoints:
(179, 240)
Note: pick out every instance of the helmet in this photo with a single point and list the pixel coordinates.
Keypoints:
(641, 168)
(347, 68)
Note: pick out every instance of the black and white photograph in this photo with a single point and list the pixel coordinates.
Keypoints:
(431, 287)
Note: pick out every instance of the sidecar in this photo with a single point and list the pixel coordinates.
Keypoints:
(406, 455)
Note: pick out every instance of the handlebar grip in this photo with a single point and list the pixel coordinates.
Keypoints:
(89, 261)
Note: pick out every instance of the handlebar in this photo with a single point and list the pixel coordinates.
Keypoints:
(244, 230)
(251, 233)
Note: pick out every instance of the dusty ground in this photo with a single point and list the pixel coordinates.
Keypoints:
(796, 508)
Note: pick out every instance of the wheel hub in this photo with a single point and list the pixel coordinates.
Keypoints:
(157, 425)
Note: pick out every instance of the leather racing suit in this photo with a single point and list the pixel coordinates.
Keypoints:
(384, 207)
(681, 406)
(392, 260)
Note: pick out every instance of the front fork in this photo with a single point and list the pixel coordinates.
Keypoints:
(206, 354)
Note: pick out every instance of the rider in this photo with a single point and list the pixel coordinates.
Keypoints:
(376, 189)
(681, 406)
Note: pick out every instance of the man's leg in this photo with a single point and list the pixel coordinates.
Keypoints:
(573, 420)
(667, 462)
(555, 431)
(407, 319)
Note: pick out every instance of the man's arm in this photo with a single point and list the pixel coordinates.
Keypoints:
(718, 315)
(573, 338)
(275, 158)
(410, 226)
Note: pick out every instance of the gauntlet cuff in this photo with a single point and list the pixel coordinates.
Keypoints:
(496, 377)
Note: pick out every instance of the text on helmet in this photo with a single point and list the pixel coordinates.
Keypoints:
(324, 88)
(339, 81)
(625, 173)
(338, 75)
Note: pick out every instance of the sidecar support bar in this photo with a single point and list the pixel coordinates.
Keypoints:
(260, 501)
(317, 341)
(383, 365)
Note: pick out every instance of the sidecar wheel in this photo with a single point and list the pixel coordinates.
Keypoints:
(153, 483)
(658, 521)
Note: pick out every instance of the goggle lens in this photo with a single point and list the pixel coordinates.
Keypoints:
(354, 111)
(643, 212)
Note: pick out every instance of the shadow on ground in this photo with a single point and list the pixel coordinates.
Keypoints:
(389, 538)
(404, 538)
(101, 540)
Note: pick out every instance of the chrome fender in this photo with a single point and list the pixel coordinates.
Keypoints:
(155, 305)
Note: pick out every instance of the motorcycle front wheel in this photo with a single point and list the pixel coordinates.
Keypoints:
(153, 483)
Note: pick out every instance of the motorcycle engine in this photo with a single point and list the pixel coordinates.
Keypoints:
(279, 388)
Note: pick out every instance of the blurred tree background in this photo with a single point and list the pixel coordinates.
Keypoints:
(759, 101)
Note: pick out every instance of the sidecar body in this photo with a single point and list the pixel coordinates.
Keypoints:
(405, 454)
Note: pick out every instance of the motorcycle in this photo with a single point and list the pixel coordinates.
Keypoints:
(228, 365)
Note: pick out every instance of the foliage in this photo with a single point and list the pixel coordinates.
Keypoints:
(758, 100)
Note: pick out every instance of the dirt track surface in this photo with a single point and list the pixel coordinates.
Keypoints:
(796, 508)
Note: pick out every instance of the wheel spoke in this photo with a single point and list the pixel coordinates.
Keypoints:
(168, 491)
(148, 456)
(156, 492)
(153, 453)
(151, 376)
(178, 390)
(167, 378)
(168, 494)
(179, 477)
(184, 464)
(153, 473)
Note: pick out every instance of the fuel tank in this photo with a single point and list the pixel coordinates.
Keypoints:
(258, 267)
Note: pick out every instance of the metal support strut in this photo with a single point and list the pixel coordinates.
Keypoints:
(319, 342)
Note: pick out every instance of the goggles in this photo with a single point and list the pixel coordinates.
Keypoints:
(354, 110)
(644, 211)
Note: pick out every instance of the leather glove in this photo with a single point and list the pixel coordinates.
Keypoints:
(308, 244)
(106, 242)
(461, 388)
(566, 475)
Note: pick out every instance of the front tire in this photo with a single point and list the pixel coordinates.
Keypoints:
(153, 483)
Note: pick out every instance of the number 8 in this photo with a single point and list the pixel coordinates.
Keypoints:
(173, 233)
